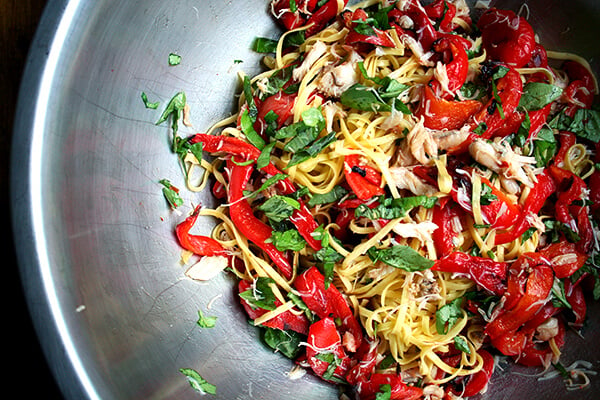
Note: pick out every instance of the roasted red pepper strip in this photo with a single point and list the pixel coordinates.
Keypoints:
(321, 17)
(424, 31)
(539, 57)
(280, 103)
(440, 114)
(456, 69)
(445, 235)
(535, 354)
(367, 390)
(577, 95)
(366, 364)
(323, 337)
(575, 296)
(244, 219)
(362, 178)
(443, 13)
(201, 245)
(487, 273)
(507, 37)
(571, 188)
(502, 212)
(517, 278)
(537, 289)
(284, 321)
(329, 303)
(538, 195)
(380, 38)
(577, 72)
(564, 257)
(477, 382)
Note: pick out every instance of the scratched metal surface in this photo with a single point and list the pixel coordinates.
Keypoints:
(114, 312)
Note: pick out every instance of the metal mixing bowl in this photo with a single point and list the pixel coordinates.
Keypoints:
(114, 312)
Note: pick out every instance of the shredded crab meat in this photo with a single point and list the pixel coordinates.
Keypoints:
(335, 80)
(404, 178)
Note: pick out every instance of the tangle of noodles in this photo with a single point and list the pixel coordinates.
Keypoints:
(398, 308)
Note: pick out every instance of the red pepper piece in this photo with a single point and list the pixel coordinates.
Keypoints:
(423, 30)
(564, 258)
(380, 38)
(510, 343)
(320, 18)
(439, 113)
(537, 119)
(329, 303)
(538, 195)
(575, 296)
(577, 72)
(507, 37)
(537, 289)
(443, 13)
(538, 354)
(244, 219)
(487, 273)
(444, 235)
(280, 103)
(571, 188)
(594, 186)
(323, 337)
(517, 278)
(501, 212)
(478, 381)
(361, 371)
(578, 96)
(363, 179)
(456, 69)
(539, 57)
(284, 321)
(399, 390)
(197, 244)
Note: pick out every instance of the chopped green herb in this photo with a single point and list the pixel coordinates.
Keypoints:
(171, 193)
(174, 59)
(286, 342)
(148, 104)
(400, 256)
(537, 95)
(288, 240)
(385, 390)
(198, 382)
(205, 321)
(461, 344)
(260, 295)
(325, 198)
(279, 208)
(391, 208)
(447, 315)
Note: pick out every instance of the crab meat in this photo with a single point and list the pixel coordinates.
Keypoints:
(336, 80)
(422, 144)
(419, 230)
(317, 51)
(547, 330)
(404, 178)
(499, 157)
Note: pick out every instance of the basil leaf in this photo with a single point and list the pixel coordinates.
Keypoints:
(385, 390)
(206, 321)
(149, 104)
(265, 155)
(196, 149)
(298, 302)
(559, 298)
(247, 125)
(447, 315)
(288, 240)
(286, 342)
(461, 344)
(264, 45)
(363, 98)
(312, 150)
(171, 194)
(394, 208)
(328, 256)
(174, 59)
(279, 208)
(260, 295)
(400, 256)
(174, 108)
(537, 95)
(544, 147)
(325, 198)
(198, 382)
(586, 124)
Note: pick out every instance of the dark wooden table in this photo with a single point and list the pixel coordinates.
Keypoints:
(28, 374)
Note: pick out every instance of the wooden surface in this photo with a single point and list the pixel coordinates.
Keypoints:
(28, 374)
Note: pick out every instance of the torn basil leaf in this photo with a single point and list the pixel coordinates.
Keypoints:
(174, 59)
(390, 208)
(288, 240)
(325, 198)
(400, 256)
(198, 382)
(149, 104)
(171, 194)
(286, 342)
(279, 208)
(447, 315)
(260, 295)
(205, 321)
(537, 95)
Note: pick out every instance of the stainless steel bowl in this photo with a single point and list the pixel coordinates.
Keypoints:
(114, 312)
